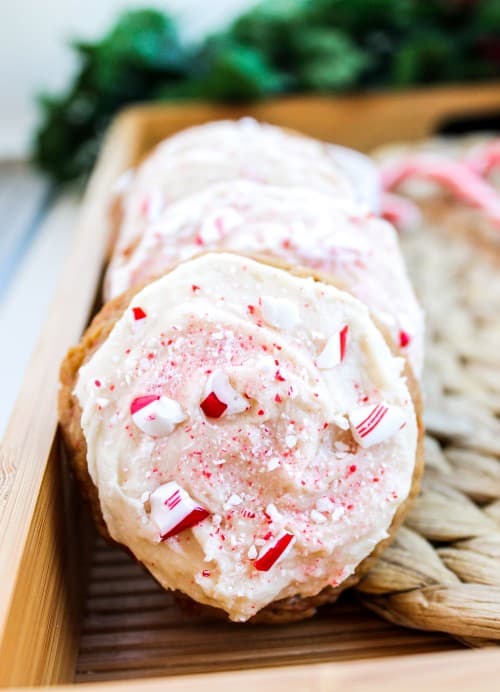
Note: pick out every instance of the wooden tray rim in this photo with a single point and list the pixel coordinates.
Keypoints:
(474, 670)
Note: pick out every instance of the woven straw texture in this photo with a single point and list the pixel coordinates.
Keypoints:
(443, 570)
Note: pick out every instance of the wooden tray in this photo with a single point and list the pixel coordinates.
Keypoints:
(75, 610)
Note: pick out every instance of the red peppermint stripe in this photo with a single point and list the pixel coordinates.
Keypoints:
(138, 313)
(173, 500)
(368, 417)
(401, 212)
(212, 407)
(141, 402)
(482, 161)
(375, 423)
(455, 176)
(272, 553)
(173, 510)
(372, 421)
(194, 517)
(221, 397)
(404, 338)
(343, 341)
(334, 350)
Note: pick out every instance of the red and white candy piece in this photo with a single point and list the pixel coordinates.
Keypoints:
(484, 158)
(279, 312)
(455, 176)
(274, 551)
(156, 415)
(221, 397)
(138, 314)
(173, 510)
(401, 212)
(375, 423)
(334, 351)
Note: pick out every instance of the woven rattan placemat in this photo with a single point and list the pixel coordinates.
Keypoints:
(443, 570)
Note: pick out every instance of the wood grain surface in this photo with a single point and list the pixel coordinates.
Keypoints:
(133, 628)
(449, 672)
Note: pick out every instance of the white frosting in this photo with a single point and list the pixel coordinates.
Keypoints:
(245, 149)
(298, 225)
(294, 503)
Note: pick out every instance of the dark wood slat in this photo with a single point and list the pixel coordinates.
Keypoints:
(132, 628)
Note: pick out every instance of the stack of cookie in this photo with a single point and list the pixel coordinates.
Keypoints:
(243, 413)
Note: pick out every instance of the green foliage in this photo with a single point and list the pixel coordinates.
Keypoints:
(129, 64)
(280, 46)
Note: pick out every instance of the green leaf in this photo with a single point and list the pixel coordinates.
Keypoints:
(236, 72)
(427, 58)
(328, 60)
(276, 47)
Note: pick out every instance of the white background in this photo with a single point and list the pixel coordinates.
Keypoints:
(34, 55)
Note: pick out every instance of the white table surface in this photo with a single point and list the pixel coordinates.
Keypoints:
(35, 237)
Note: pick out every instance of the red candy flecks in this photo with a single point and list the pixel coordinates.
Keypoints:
(270, 555)
(343, 341)
(404, 339)
(141, 402)
(212, 406)
(138, 313)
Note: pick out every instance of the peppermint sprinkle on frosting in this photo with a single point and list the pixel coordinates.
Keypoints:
(174, 511)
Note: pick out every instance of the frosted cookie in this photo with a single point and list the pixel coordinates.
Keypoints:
(245, 432)
(245, 149)
(300, 226)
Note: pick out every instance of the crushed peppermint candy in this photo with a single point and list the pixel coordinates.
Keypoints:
(138, 313)
(221, 397)
(456, 176)
(272, 512)
(340, 421)
(252, 552)
(280, 312)
(173, 510)
(155, 415)
(324, 504)
(317, 517)
(233, 501)
(333, 352)
(375, 423)
(404, 339)
(273, 464)
(212, 406)
(276, 549)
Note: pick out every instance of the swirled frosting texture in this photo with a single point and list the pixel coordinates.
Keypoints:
(298, 225)
(245, 149)
(287, 465)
